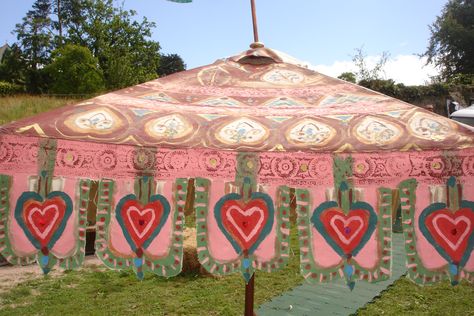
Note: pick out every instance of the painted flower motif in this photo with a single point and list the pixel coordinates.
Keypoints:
(141, 159)
(438, 167)
(320, 168)
(70, 158)
(468, 165)
(285, 167)
(211, 160)
(398, 166)
(31, 153)
(106, 160)
(363, 168)
(176, 160)
(6, 152)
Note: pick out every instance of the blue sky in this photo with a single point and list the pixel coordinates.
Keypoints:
(322, 33)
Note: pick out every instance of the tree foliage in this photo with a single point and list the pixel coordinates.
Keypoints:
(170, 64)
(121, 44)
(451, 45)
(348, 76)
(364, 72)
(75, 71)
(35, 39)
(118, 39)
(12, 68)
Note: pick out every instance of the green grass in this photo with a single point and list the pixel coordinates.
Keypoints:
(94, 291)
(406, 298)
(16, 107)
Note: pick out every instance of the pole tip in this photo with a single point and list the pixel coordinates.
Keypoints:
(256, 45)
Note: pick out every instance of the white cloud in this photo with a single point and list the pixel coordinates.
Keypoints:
(406, 69)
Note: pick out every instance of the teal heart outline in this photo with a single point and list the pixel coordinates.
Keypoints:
(156, 231)
(30, 195)
(354, 206)
(266, 229)
(426, 233)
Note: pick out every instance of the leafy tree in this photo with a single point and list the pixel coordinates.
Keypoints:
(451, 46)
(364, 72)
(170, 64)
(121, 44)
(387, 87)
(75, 71)
(12, 68)
(116, 37)
(348, 76)
(35, 39)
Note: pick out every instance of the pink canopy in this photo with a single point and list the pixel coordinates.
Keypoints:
(248, 134)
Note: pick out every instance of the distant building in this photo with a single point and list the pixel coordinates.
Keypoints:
(3, 49)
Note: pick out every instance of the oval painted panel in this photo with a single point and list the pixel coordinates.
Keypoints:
(169, 127)
(310, 132)
(242, 131)
(377, 131)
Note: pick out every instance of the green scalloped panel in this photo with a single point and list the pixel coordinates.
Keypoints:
(201, 204)
(168, 266)
(5, 246)
(309, 268)
(46, 162)
(77, 259)
(283, 234)
(417, 272)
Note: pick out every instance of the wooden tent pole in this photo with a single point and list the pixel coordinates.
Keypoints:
(249, 294)
(254, 20)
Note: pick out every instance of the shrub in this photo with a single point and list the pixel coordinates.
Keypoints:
(7, 88)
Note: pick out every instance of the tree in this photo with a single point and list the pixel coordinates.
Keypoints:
(119, 40)
(121, 43)
(451, 45)
(35, 39)
(363, 71)
(12, 68)
(75, 71)
(348, 76)
(170, 64)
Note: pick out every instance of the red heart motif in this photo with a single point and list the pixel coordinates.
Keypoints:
(141, 221)
(244, 221)
(43, 218)
(451, 230)
(347, 231)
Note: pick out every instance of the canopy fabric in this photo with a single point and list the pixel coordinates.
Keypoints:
(259, 100)
(246, 141)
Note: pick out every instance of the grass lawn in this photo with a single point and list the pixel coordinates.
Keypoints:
(16, 107)
(95, 291)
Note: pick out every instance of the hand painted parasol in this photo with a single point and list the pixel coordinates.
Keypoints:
(246, 136)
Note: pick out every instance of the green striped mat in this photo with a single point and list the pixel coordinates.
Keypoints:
(334, 298)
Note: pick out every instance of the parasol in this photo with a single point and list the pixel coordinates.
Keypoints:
(246, 136)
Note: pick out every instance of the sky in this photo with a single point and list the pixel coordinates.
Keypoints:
(322, 33)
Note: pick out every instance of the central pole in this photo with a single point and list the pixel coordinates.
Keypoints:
(254, 20)
(249, 293)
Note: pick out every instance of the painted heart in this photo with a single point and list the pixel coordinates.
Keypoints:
(245, 224)
(142, 223)
(43, 220)
(346, 233)
(451, 233)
